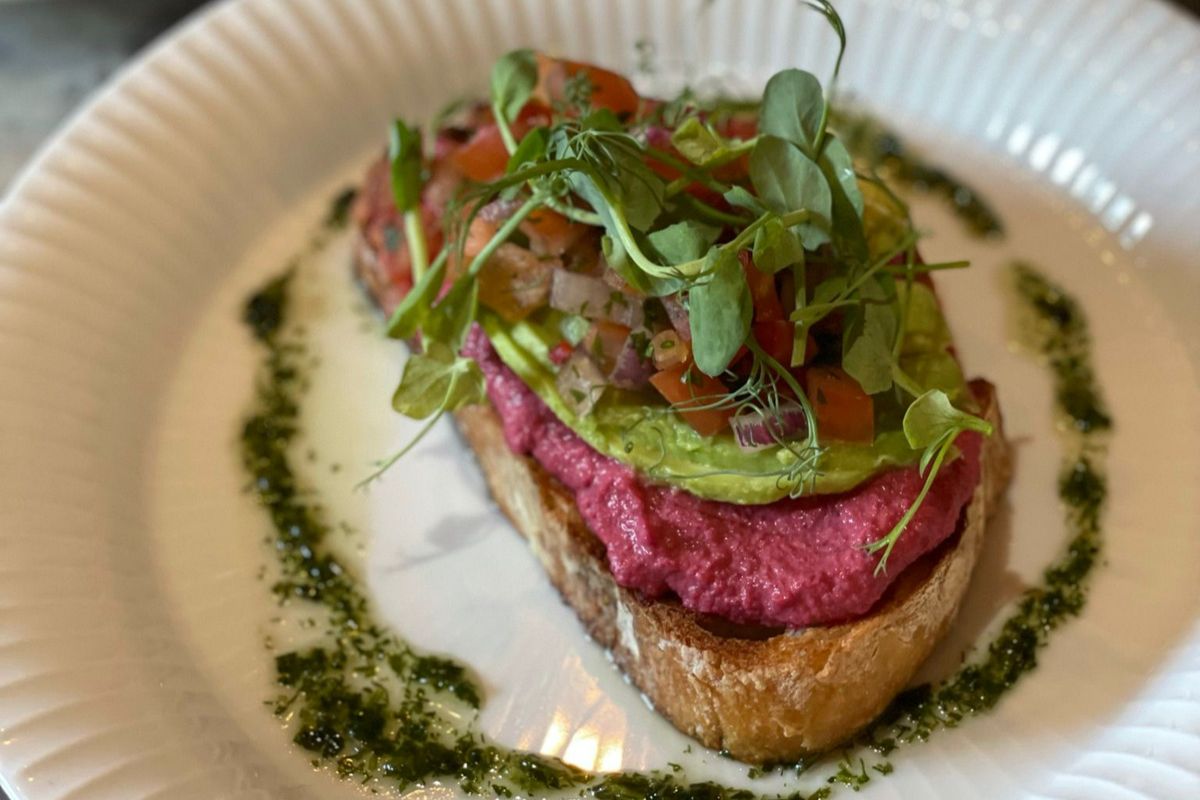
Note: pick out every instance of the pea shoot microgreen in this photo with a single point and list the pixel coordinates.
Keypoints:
(434, 382)
(513, 79)
(404, 151)
(720, 311)
(931, 424)
(673, 222)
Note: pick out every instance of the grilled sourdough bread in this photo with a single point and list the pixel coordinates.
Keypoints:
(763, 695)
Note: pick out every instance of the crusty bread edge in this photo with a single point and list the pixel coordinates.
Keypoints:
(762, 700)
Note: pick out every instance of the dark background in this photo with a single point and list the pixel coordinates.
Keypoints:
(53, 53)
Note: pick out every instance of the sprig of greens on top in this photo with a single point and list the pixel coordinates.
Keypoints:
(782, 207)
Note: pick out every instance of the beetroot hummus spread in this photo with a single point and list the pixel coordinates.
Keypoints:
(791, 563)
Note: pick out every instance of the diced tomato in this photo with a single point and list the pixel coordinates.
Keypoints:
(484, 157)
(734, 171)
(609, 90)
(762, 290)
(741, 363)
(550, 233)
(533, 114)
(561, 352)
(774, 336)
(844, 411)
(810, 348)
(739, 126)
(480, 232)
(684, 387)
(664, 171)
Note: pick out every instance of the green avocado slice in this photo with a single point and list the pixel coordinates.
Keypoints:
(639, 430)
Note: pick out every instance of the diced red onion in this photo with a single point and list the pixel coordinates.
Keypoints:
(633, 368)
(499, 210)
(754, 430)
(614, 280)
(580, 384)
(578, 294)
(592, 298)
(561, 352)
(625, 309)
(678, 316)
(658, 137)
(603, 343)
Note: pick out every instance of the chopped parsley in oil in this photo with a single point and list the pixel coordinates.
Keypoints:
(852, 775)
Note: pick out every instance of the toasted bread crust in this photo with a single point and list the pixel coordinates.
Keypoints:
(769, 697)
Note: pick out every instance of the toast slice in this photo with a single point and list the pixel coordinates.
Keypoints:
(762, 695)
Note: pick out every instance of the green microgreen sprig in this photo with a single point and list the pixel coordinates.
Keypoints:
(405, 154)
(931, 424)
(514, 77)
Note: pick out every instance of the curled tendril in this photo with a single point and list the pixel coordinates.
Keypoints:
(628, 444)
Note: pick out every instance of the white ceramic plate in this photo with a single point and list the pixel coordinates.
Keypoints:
(131, 620)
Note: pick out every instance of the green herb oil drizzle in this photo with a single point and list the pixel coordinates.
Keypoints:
(372, 708)
(342, 695)
(883, 150)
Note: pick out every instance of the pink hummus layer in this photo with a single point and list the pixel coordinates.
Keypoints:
(792, 563)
